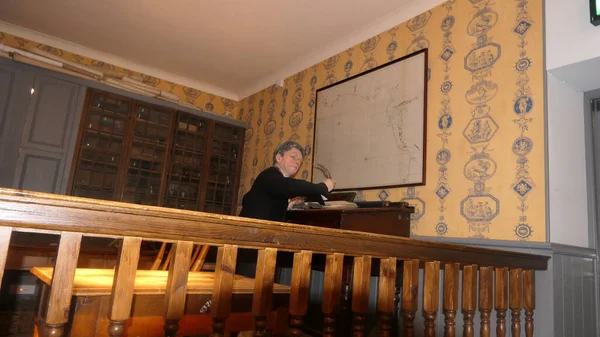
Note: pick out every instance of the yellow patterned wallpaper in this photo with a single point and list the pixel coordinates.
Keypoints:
(199, 99)
(485, 146)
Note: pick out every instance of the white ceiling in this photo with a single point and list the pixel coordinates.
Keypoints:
(232, 48)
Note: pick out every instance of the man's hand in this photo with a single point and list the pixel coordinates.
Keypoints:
(294, 201)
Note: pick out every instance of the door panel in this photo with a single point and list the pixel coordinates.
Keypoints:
(50, 114)
(15, 93)
(39, 171)
(49, 134)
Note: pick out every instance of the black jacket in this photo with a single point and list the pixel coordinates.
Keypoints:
(268, 197)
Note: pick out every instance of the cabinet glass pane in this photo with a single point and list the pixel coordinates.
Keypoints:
(101, 147)
(147, 156)
(220, 191)
(185, 174)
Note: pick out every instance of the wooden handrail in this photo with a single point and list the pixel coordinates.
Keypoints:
(24, 210)
(72, 218)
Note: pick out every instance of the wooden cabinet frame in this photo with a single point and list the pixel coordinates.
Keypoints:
(150, 140)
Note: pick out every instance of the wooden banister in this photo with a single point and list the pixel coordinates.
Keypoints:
(331, 292)
(299, 292)
(59, 301)
(123, 285)
(451, 283)
(223, 287)
(387, 289)
(431, 299)
(410, 293)
(42, 211)
(486, 295)
(501, 300)
(176, 291)
(263, 289)
(491, 279)
(360, 293)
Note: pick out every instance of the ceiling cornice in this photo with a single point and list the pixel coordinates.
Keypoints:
(114, 60)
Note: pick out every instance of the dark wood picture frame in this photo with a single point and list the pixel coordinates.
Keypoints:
(380, 68)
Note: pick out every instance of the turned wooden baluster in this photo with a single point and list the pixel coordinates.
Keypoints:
(516, 300)
(223, 288)
(334, 267)
(121, 295)
(410, 293)
(361, 284)
(501, 300)
(486, 289)
(451, 283)
(469, 298)
(529, 300)
(299, 291)
(263, 289)
(386, 296)
(431, 296)
(61, 289)
(176, 290)
(5, 233)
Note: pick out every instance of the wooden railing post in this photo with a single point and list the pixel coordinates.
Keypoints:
(5, 233)
(176, 290)
(121, 295)
(486, 290)
(529, 300)
(223, 287)
(361, 284)
(451, 283)
(516, 300)
(299, 291)
(263, 289)
(410, 293)
(334, 267)
(59, 299)
(431, 296)
(501, 300)
(387, 292)
(469, 298)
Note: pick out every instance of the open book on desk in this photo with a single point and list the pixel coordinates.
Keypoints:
(340, 204)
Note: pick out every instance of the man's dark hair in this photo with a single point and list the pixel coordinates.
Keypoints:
(285, 147)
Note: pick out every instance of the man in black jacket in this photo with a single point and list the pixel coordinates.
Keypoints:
(272, 190)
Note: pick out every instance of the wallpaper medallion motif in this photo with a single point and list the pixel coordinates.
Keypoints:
(444, 124)
(485, 113)
(522, 145)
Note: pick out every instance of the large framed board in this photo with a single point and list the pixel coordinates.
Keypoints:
(370, 129)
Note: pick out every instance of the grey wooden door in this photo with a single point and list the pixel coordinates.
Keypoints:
(48, 135)
(15, 93)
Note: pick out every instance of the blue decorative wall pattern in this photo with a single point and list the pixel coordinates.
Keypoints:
(485, 112)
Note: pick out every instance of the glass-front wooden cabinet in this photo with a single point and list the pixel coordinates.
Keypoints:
(101, 146)
(136, 152)
(221, 186)
(186, 172)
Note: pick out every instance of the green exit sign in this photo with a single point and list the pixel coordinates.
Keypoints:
(595, 12)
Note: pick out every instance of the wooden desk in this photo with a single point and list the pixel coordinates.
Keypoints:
(92, 287)
(381, 220)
